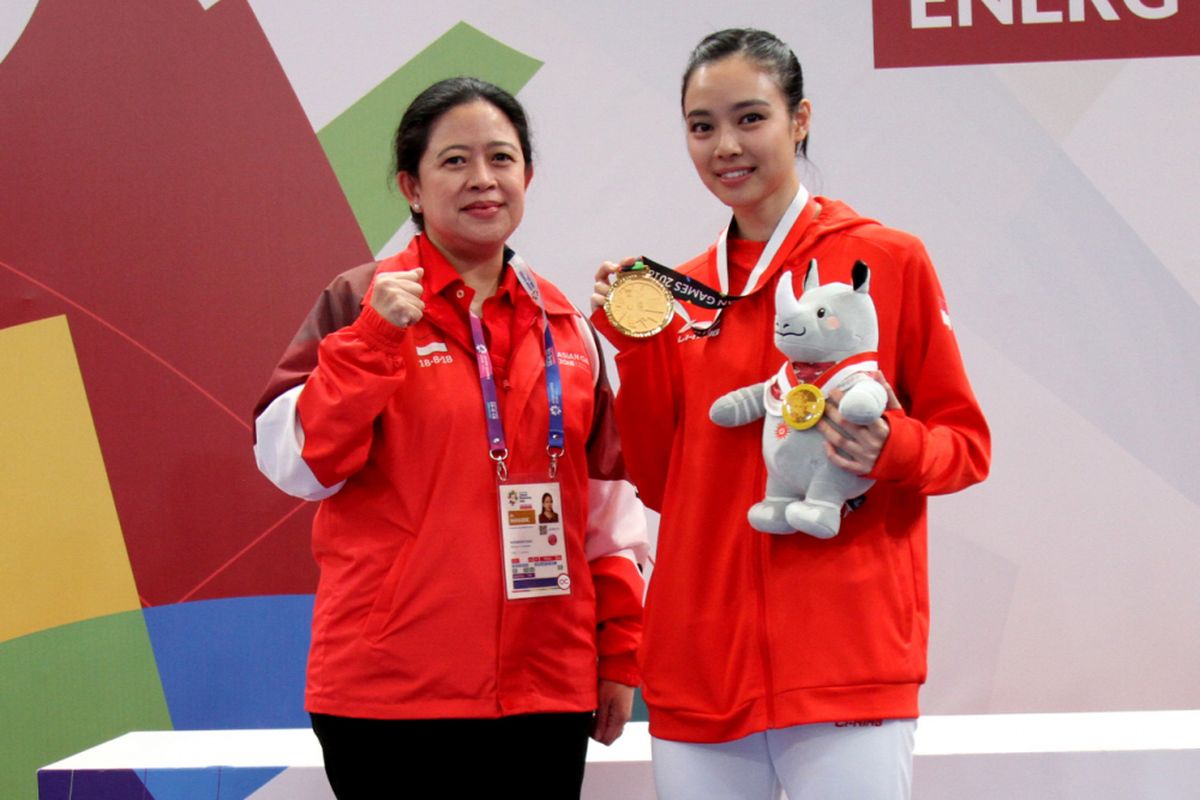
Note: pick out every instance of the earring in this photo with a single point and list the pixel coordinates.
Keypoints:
(416, 207)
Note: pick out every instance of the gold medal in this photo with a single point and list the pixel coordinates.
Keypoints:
(803, 406)
(639, 305)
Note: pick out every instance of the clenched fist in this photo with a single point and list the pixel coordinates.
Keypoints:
(397, 297)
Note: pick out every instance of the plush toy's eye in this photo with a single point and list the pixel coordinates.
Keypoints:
(820, 313)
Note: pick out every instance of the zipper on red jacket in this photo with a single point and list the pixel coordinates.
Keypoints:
(768, 675)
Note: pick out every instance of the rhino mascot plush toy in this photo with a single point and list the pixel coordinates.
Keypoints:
(828, 337)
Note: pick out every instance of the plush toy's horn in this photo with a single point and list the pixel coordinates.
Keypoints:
(860, 273)
(785, 297)
(811, 279)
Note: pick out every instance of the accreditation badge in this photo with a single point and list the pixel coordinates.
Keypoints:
(638, 305)
(535, 547)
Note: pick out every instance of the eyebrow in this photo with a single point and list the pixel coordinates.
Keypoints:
(492, 144)
(744, 104)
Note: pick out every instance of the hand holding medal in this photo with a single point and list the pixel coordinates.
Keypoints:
(642, 300)
(637, 304)
(604, 281)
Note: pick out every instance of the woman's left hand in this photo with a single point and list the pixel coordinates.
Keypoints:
(605, 276)
(854, 448)
(613, 710)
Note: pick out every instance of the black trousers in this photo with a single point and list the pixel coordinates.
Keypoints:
(529, 755)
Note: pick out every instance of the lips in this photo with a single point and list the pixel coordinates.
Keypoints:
(483, 208)
(734, 176)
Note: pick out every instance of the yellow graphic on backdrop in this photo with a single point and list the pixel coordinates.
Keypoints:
(62, 555)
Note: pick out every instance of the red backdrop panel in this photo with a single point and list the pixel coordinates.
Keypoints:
(164, 189)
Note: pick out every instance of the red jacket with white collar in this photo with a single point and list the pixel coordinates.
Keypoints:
(747, 631)
(385, 426)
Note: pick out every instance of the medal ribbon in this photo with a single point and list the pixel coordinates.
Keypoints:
(772, 256)
(683, 287)
(556, 436)
(774, 245)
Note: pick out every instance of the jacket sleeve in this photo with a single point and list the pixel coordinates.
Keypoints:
(314, 422)
(647, 408)
(358, 370)
(617, 540)
(940, 442)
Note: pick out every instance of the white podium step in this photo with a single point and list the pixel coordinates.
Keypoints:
(1096, 756)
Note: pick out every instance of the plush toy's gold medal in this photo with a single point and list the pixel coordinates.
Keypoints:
(803, 406)
(639, 305)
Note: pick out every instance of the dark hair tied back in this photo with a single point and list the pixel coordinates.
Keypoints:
(412, 136)
(764, 49)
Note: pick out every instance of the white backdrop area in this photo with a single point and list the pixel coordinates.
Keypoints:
(1059, 203)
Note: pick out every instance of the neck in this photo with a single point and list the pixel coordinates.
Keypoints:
(479, 270)
(483, 279)
(758, 222)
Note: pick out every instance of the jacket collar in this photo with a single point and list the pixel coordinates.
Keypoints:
(439, 274)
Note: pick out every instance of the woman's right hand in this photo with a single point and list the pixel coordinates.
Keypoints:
(396, 296)
(604, 280)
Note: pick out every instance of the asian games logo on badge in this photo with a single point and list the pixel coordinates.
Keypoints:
(564, 581)
(513, 497)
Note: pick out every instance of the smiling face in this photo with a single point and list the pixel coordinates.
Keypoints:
(470, 183)
(742, 139)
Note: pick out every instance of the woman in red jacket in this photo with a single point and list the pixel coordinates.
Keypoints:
(430, 402)
(785, 658)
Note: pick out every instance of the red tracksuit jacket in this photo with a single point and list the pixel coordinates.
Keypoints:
(747, 631)
(386, 427)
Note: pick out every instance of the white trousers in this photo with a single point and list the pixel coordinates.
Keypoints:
(809, 762)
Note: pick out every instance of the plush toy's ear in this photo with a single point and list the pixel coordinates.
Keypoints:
(860, 273)
(785, 296)
(811, 279)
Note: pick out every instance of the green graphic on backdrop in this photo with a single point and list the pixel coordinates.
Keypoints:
(71, 687)
(358, 142)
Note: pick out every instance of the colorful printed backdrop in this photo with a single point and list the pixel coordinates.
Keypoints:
(180, 178)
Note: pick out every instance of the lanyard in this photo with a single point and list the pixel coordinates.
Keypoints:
(556, 436)
(770, 254)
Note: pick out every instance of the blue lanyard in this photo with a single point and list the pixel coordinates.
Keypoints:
(497, 444)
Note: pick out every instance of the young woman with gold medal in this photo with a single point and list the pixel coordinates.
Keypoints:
(775, 659)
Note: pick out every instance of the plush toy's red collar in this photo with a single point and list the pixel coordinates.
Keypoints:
(819, 373)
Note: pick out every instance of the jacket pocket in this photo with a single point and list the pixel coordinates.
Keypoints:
(384, 611)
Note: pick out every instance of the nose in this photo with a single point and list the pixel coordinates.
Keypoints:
(480, 175)
(727, 143)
